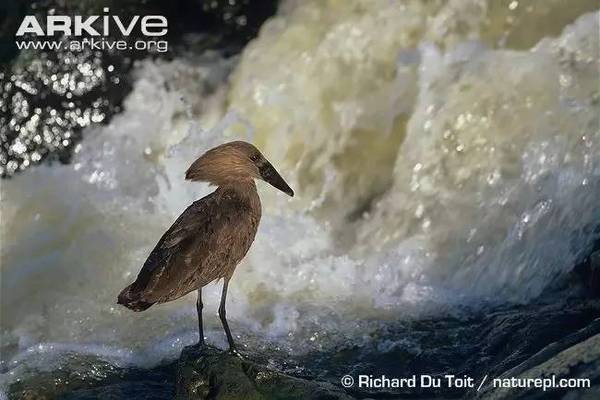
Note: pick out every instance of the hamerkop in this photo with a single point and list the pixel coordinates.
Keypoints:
(212, 235)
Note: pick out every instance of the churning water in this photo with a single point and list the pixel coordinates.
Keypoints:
(445, 156)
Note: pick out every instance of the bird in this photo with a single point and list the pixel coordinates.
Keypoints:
(210, 238)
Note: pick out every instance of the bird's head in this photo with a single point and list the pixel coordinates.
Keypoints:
(235, 161)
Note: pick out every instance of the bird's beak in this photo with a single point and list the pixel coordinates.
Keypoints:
(271, 176)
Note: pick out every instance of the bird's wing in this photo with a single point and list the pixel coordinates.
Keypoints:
(193, 250)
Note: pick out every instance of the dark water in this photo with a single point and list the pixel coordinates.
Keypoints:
(493, 342)
(490, 344)
(48, 97)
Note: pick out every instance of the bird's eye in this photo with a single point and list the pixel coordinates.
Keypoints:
(255, 157)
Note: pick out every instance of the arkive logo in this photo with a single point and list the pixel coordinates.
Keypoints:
(94, 25)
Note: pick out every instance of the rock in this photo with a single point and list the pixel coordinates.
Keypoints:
(594, 282)
(579, 361)
(211, 373)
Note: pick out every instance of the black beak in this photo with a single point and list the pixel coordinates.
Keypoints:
(271, 176)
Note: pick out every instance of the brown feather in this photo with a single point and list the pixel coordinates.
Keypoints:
(213, 234)
(204, 244)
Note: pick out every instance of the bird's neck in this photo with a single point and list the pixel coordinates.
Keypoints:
(245, 189)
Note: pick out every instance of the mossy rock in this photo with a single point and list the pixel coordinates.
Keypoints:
(209, 373)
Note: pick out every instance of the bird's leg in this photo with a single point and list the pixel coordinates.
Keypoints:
(199, 307)
(223, 317)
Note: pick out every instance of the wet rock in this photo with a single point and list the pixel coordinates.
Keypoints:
(587, 273)
(210, 373)
(594, 281)
(580, 361)
(493, 343)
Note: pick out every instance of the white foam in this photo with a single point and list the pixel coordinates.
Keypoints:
(394, 218)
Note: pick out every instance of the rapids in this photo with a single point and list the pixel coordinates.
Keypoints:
(439, 168)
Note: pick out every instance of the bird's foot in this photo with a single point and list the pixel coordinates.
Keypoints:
(201, 345)
(235, 352)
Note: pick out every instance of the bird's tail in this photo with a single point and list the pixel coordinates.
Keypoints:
(131, 299)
